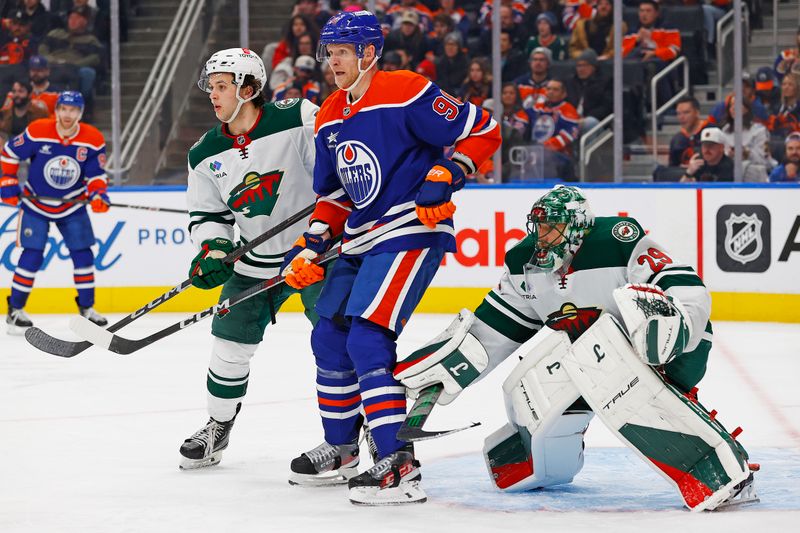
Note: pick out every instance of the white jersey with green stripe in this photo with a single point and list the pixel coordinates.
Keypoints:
(255, 181)
(615, 252)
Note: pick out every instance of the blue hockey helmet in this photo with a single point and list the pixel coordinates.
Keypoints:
(73, 98)
(359, 28)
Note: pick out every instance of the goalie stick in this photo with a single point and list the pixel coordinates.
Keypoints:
(62, 348)
(411, 429)
(106, 338)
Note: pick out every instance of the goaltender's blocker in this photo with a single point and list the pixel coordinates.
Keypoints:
(620, 330)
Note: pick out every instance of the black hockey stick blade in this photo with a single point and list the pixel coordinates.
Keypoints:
(52, 345)
(61, 348)
(411, 429)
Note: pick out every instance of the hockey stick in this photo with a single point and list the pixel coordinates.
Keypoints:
(100, 337)
(87, 202)
(62, 348)
(411, 429)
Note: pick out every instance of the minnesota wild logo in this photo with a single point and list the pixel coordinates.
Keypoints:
(256, 194)
(572, 319)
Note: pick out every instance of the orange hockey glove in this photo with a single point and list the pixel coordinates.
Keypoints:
(433, 199)
(98, 196)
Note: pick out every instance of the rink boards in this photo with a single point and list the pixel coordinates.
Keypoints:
(744, 241)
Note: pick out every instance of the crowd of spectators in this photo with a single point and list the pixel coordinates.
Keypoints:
(555, 72)
(47, 46)
(555, 68)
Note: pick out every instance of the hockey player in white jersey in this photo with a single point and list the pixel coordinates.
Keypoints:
(253, 170)
(621, 331)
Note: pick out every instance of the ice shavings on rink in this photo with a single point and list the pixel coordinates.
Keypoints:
(612, 480)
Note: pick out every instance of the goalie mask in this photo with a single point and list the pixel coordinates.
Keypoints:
(240, 62)
(559, 220)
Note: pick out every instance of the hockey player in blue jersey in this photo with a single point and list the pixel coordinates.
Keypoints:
(379, 170)
(66, 161)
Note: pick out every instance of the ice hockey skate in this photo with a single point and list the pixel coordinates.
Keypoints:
(744, 493)
(90, 314)
(205, 447)
(325, 465)
(394, 480)
(17, 320)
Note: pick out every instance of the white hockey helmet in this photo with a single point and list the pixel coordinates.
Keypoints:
(240, 62)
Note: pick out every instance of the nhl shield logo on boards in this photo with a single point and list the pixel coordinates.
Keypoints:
(743, 238)
(359, 172)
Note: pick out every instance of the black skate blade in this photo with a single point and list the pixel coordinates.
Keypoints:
(414, 434)
(49, 344)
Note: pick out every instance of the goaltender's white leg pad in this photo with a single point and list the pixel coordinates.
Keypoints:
(539, 389)
(543, 445)
(676, 438)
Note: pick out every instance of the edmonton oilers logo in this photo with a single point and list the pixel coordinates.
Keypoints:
(359, 172)
(62, 172)
(543, 128)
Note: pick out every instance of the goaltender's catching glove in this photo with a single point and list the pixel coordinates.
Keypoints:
(433, 199)
(297, 269)
(656, 323)
(208, 269)
(9, 190)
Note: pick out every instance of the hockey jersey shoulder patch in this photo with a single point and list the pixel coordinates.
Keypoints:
(610, 243)
(211, 143)
(277, 117)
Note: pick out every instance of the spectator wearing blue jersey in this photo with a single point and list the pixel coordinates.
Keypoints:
(790, 169)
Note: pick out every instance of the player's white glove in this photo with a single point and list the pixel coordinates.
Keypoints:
(455, 359)
(655, 322)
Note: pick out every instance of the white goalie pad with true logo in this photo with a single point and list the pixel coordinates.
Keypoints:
(670, 432)
(542, 445)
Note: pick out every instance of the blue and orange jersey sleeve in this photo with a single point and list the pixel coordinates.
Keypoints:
(441, 120)
(333, 204)
(23, 146)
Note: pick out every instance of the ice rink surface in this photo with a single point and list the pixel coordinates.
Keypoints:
(90, 444)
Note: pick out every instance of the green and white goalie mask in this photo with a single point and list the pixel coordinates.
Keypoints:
(558, 221)
(240, 62)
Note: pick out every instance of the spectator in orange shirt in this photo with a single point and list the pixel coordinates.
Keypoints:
(654, 45)
(651, 41)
